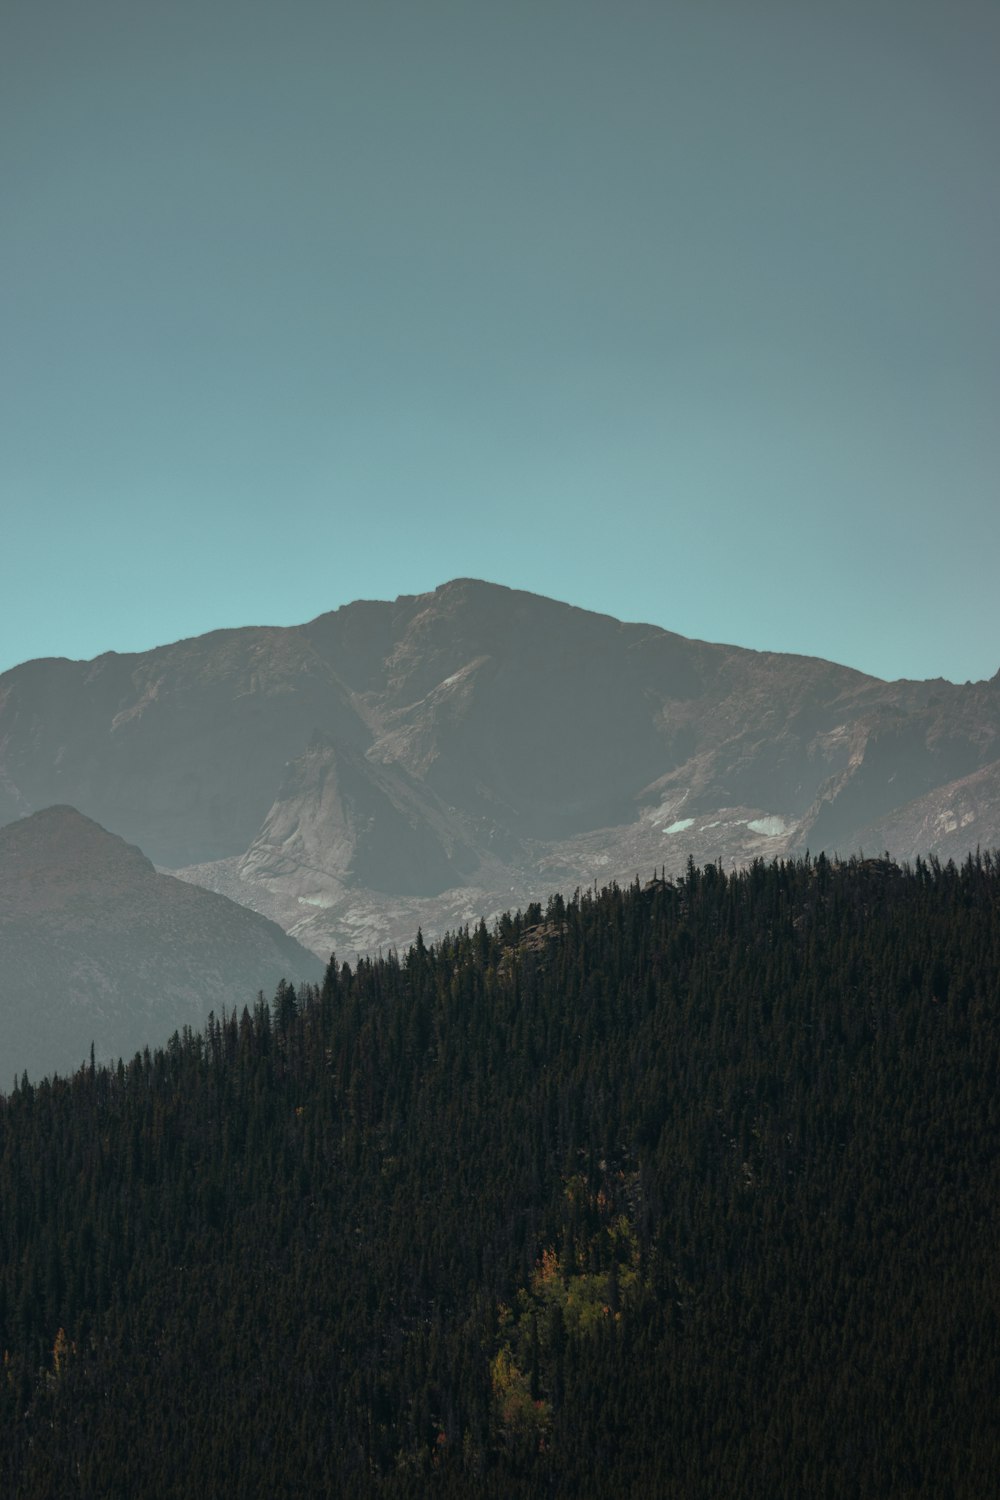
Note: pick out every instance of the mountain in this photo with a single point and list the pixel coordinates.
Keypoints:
(455, 753)
(97, 947)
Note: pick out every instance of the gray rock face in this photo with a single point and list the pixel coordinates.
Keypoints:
(96, 947)
(447, 755)
(944, 820)
(180, 749)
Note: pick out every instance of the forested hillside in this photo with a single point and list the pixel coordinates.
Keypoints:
(684, 1190)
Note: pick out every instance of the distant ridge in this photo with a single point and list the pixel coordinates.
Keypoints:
(448, 755)
(96, 947)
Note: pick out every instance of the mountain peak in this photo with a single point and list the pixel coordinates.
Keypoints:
(97, 946)
(60, 848)
(481, 745)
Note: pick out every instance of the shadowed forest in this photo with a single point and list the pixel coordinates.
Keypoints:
(683, 1190)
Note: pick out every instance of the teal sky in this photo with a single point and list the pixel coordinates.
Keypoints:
(686, 312)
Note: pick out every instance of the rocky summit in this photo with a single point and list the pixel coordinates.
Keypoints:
(449, 755)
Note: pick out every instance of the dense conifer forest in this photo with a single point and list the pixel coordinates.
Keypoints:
(680, 1190)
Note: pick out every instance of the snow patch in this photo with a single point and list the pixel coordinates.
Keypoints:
(770, 827)
(679, 826)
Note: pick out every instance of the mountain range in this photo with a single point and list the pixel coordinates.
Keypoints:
(448, 755)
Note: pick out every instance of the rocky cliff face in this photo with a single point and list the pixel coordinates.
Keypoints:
(97, 947)
(441, 757)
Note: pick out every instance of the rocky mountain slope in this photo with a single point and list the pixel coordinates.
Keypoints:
(97, 947)
(448, 755)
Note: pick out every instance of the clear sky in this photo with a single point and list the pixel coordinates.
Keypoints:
(686, 312)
